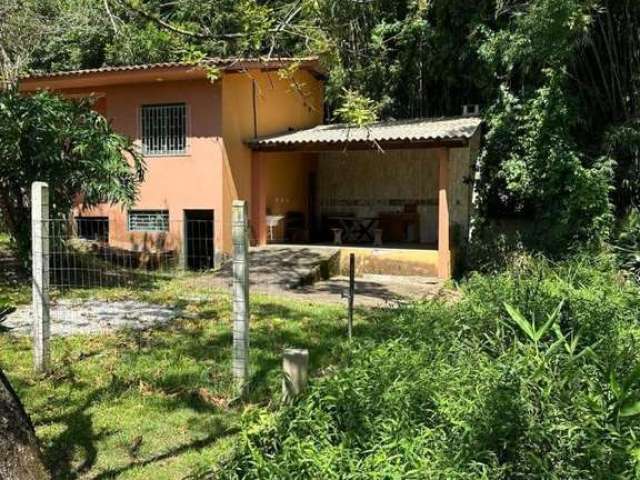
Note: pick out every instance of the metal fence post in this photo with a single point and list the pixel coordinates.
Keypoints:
(40, 275)
(240, 231)
(352, 283)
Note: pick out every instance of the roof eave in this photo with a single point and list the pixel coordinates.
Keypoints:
(157, 73)
(311, 147)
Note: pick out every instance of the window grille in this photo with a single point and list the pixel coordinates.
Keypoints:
(148, 220)
(164, 129)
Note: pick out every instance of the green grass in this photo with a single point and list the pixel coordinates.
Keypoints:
(170, 387)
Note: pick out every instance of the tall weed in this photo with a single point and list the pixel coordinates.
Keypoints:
(535, 373)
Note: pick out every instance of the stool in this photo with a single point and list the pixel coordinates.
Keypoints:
(337, 236)
(377, 237)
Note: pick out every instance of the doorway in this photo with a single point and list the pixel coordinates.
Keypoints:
(198, 232)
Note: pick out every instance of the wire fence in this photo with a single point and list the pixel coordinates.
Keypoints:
(103, 277)
(83, 254)
(96, 275)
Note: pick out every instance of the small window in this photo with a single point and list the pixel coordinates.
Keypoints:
(164, 129)
(148, 220)
(93, 228)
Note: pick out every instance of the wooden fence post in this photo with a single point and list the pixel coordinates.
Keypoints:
(240, 231)
(40, 275)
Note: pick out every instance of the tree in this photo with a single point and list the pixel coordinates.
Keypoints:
(44, 137)
(21, 458)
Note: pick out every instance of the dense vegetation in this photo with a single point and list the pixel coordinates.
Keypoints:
(535, 373)
(44, 136)
(558, 80)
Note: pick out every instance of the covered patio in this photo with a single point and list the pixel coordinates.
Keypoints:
(397, 194)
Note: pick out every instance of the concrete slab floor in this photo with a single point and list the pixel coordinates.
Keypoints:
(371, 290)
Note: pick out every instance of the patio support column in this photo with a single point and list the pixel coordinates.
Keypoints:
(444, 246)
(258, 199)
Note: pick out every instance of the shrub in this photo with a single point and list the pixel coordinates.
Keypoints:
(627, 244)
(533, 374)
(45, 137)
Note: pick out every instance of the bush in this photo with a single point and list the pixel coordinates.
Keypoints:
(533, 374)
(45, 137)
(627, 244)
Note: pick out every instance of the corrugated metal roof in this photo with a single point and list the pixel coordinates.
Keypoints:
(415, 130)
(224, 63)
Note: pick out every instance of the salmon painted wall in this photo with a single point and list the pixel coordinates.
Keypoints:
(173, 183)
(280, 105)
(216, 170)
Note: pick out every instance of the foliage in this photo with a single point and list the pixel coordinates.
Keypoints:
(532, 160)
(622, 143)
(555, 78)
(533, 374)
(44, 137)
(357, 110)
(529, 164)
(627, 244)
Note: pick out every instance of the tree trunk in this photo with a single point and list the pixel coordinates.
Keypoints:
(20, 457)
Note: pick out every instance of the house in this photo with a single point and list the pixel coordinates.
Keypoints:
(398, 194)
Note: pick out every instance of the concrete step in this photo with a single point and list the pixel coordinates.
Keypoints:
(288, 267)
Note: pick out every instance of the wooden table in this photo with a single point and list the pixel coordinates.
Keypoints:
(357, 229)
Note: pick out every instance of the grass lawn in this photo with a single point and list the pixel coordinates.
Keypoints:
(159, 404)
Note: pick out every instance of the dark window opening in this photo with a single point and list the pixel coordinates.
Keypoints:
(93, 228)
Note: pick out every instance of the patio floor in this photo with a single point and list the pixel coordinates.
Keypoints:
(284, 267)
(309, 273)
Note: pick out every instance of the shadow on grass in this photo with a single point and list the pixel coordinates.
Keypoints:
(275, 327)
(198, 351)
(220, 432)
(79, 433)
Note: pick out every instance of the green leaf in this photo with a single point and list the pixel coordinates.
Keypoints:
(615, 386)
(630, 409)
(522, 322)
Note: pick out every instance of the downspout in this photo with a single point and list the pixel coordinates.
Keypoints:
(255, 110)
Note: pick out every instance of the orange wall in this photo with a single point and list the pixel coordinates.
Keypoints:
(173, 183)
(216, 170)
(280, 105)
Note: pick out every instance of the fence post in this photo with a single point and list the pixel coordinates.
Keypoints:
(240, 232)
(295, 367)
(40, 275)
(352, 289)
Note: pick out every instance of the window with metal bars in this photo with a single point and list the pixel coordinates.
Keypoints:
(164, 129)
(148, 220)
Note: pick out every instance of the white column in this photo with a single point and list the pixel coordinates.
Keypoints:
(40, 275)
(240, 293)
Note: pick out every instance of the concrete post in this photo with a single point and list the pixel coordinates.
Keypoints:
(40, 275)
(240, 294)
(295, 367)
